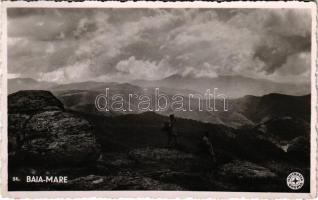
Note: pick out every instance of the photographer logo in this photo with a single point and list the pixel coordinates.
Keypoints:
(295, 180)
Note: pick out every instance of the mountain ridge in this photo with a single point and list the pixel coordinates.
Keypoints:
(231, 86)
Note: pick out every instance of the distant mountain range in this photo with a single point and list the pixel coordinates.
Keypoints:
(245, 111)
(17, 84)
(231, 86)
(260, 109)
(248, 110)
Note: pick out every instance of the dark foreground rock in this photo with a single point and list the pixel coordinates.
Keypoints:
(40, 132)
(31, 101)
(243, 170)
(57, 137)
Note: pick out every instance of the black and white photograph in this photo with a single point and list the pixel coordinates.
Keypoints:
(180, 98)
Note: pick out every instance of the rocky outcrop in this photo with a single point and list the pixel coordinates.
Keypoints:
(41, 131)
(32, 101)
(243, 170)
(16, 125)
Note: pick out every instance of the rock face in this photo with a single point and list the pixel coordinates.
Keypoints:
(42, 132)
(243, 170)
(31, 101)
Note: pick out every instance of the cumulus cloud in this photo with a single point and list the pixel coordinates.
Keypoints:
(282, 33)
(296, 69)
(138, 69)
(70, 73)
(67, 45)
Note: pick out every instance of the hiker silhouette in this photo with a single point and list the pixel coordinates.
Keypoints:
(169, 128)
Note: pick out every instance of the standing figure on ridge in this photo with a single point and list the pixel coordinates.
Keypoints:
(169, 127)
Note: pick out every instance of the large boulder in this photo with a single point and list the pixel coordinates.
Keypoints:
(41, 132)
(32, 101)
(59, 137)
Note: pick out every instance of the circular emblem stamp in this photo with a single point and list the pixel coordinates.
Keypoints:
(295, 180)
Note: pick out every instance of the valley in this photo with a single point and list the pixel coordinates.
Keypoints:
(258, 141)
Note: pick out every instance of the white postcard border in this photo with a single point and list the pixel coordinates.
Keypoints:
(155, 194)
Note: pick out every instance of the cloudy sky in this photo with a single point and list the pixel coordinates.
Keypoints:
(72, 45)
